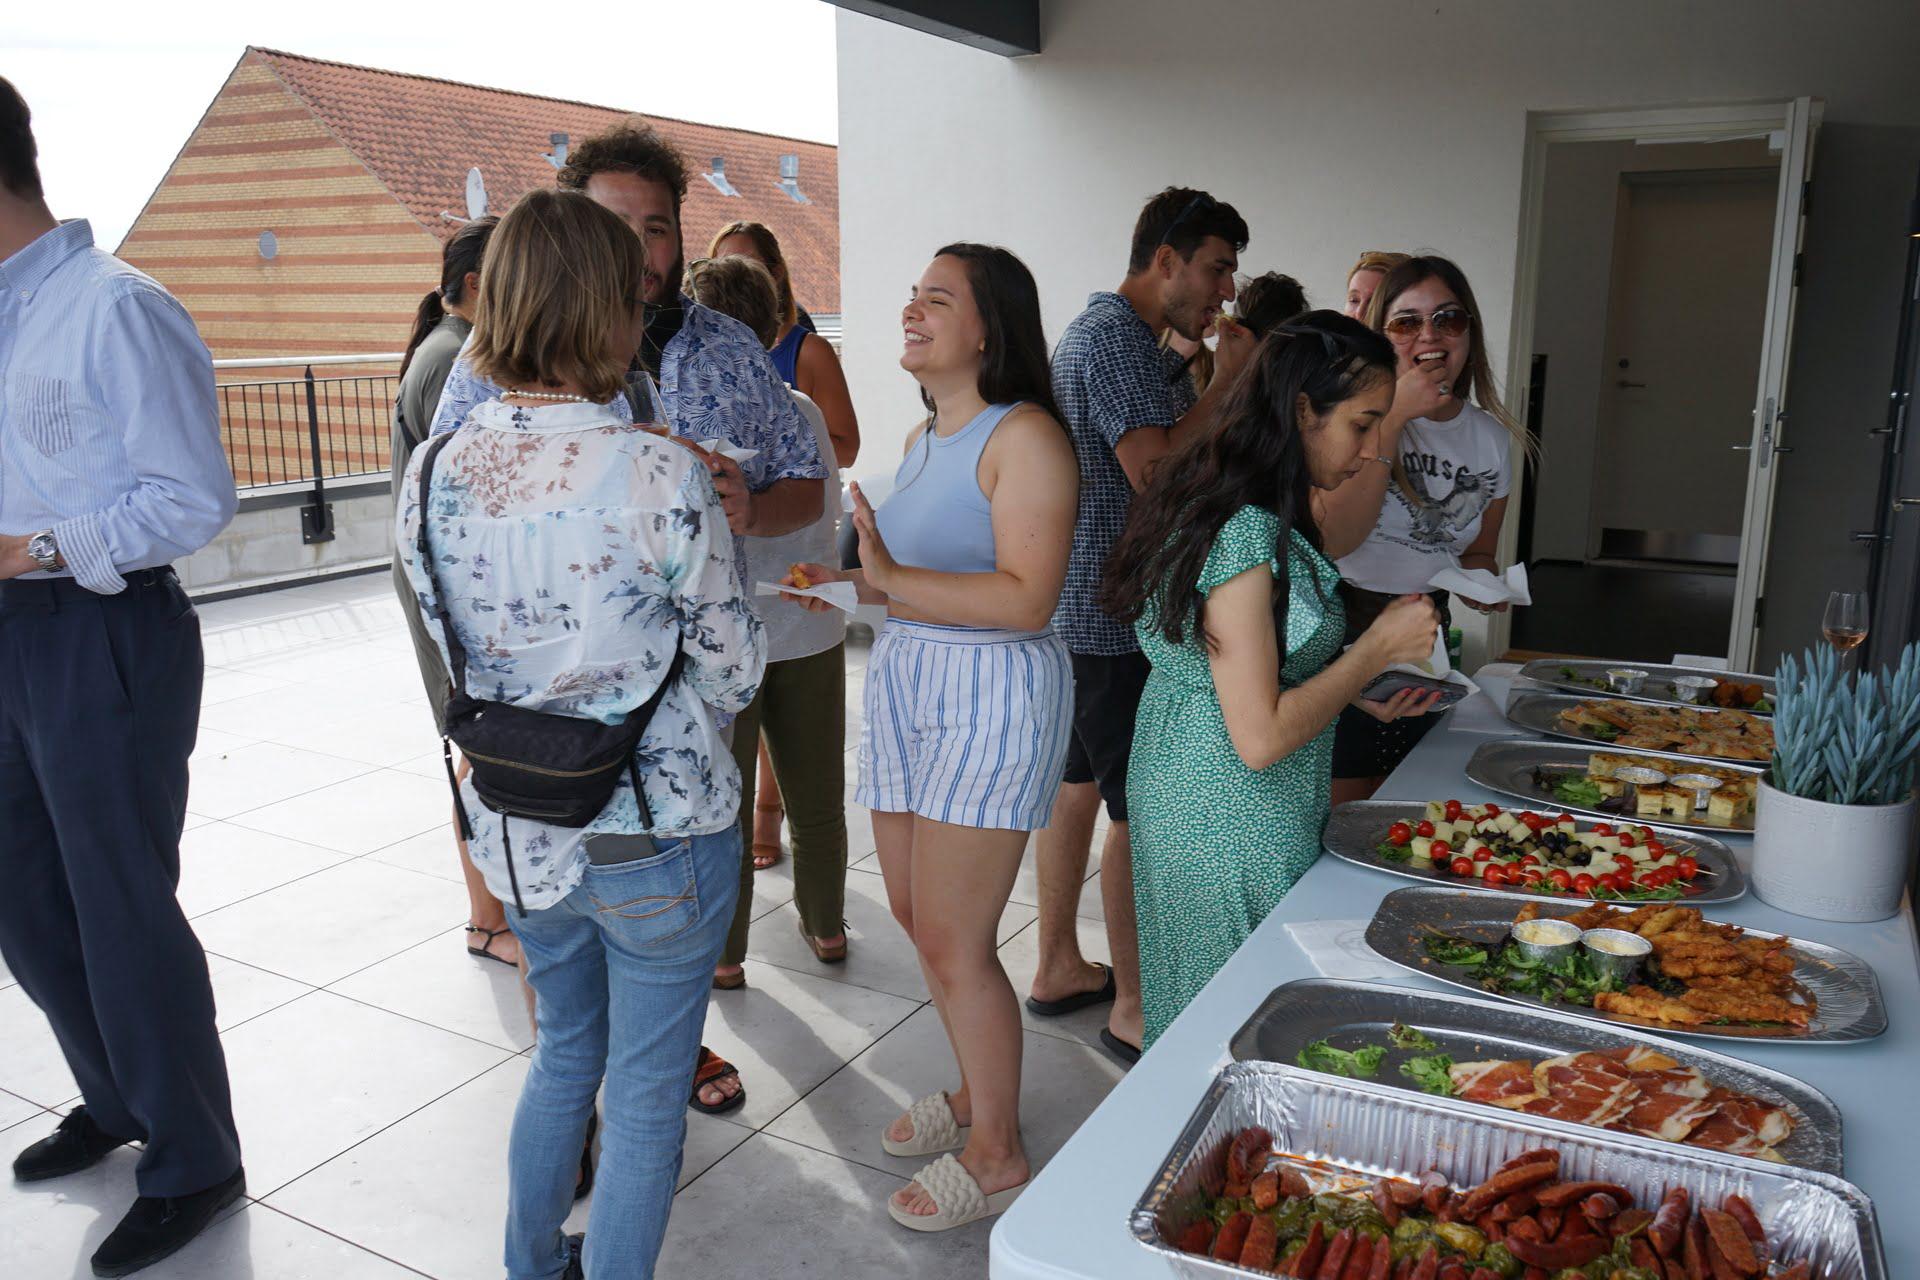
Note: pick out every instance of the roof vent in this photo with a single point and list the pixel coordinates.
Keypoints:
(558, 156)
(717, 175)
(790, 179)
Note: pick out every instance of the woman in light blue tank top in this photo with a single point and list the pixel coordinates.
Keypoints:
(968, 694)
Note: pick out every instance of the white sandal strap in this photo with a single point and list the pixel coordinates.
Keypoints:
(955, 1194)
(933, 1124)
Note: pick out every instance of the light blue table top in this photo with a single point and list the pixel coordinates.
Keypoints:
(1072, 1222)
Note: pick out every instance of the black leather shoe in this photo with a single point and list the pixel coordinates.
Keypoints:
(576, 1268)
(77, 1144)
(157, 1226)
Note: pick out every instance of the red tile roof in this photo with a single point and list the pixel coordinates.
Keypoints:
(419, 136)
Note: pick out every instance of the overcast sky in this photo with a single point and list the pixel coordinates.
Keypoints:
(116, 86)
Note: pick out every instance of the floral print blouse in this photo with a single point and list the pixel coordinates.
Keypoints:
(577, 552)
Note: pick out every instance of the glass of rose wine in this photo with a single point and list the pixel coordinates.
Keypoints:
(1845, 625)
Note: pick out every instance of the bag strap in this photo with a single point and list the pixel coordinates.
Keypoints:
(456, 655)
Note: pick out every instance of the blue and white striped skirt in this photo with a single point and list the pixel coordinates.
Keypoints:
(965, 725)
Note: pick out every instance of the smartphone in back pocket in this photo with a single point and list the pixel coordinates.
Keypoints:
(613, 849)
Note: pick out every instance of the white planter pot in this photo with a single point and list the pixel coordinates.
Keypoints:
(1831, 861)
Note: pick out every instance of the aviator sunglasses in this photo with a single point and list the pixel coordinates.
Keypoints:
(1447, 322)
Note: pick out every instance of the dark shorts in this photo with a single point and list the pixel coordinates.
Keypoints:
(1106, 696)
(1362, 746)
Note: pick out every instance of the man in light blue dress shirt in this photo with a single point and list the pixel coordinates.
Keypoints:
(110, 468)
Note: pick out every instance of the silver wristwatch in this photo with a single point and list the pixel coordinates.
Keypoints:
(44, 551)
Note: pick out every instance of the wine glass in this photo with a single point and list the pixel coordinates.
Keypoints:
(1845, 624)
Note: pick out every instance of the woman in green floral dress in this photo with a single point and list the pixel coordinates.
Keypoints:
(1228, 805)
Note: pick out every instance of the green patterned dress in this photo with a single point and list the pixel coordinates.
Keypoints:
(1216, 845)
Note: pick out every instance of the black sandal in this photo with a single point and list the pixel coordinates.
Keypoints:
(485, 950)
(712, 1069)
(584, 1188)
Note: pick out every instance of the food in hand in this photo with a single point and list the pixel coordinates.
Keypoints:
(1695, 731)
(1539, 853)
(1522, 1221)
(798, 576)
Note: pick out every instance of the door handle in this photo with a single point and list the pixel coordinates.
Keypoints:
(1860, 535)
(1901, 504)
(1741, 448)
(1623, 384)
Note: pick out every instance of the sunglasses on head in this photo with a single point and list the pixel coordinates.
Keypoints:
(1447, 322)
(1199, 202)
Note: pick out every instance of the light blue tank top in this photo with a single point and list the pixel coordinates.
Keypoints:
(936, 517)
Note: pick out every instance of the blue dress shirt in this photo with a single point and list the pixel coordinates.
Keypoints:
(110, 434)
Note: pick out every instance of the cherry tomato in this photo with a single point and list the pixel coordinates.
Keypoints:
(1453, 810)
(1565, 817)
(1529, 860)
(1652, 879)
(1533, 822)
(1560, 878)
(1686, 868)
(1656, 850)
(1483, 854)
(1399, 833)
(1461, 867)
(1624, 861)
(1425, 828)
(1440, 850)
(1603, 828)
(1494, 876)
(1530, 874)
(1627, 841)
(1583, 883)
(1493, 811)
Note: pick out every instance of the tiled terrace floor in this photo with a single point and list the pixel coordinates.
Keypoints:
(375, 1065)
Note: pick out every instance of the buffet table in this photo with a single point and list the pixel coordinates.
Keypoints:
(1072, 1222)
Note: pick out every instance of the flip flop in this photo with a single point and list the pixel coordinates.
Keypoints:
(1075, 1002)
(957, 1198)
(934, 1129)
(712, 1069)
(1127, 1053)
(485, 950)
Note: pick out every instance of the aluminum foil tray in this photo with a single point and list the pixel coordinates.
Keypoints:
(1356, 827)
(1350, 1014)
(1851, 1008)
(1375, 1131)
(1507, 765)
(1658, 688)
(1540, 713)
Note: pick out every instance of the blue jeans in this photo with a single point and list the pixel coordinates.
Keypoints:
(621, 969)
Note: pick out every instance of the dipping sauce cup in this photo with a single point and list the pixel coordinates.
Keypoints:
(1616, 952)
(1625, 679)
(1546, 940)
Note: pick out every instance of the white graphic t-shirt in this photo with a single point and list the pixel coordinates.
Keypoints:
(1457, 468)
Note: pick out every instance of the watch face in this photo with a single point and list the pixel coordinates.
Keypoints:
(43, 550)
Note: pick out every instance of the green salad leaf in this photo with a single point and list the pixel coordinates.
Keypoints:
(1430, 1073)
(1578, 789)
(1361, 1062)
(1406, 1037)
(1447, 949)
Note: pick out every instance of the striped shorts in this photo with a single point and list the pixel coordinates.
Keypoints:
(965, 725)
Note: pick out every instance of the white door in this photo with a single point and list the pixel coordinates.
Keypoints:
(1767, 442)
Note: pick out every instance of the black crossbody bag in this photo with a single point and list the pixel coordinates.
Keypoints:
(538, 765)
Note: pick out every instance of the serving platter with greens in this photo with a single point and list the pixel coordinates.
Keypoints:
(1421, 1041)
(1741, 690)
(1586, 780)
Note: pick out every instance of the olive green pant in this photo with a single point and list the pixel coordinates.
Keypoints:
(801, 710)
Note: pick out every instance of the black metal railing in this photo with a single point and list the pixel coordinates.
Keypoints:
(308, 429)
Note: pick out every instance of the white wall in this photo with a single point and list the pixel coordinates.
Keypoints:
(1369, 124)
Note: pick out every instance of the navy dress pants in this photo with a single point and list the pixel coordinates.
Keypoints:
(99, 706)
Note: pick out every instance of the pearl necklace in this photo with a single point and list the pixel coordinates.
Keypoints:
(550, 395)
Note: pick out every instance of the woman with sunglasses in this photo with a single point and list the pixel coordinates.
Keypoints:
(1436, 499)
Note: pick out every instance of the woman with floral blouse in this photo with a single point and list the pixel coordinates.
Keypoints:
(575, 554)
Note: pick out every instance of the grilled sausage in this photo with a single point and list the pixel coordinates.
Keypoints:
(1293, 1185)
(1383, 1201)
(1248, 1156)
(1360, 1259)
(1232, 1238)
(1558, 1255)
(1503, 1184)
(1535, 1156)
(1266, 1190)
(1382, 1268)
(1730, 1239)
(1740, 1211)
(1306, 1263)
(1565, 1193)
(1335, 1260)
(1428, 1267)
(1628, 1221)
(1262, 1246)
(1693, 1251)
(1670, 1223)
(1434, 1191)
(1599, 1207)
(1197, 1238)
(1405, 1194)
(1550, 1220)
(1517, 1205)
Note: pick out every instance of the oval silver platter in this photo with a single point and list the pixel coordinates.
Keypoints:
(1540, 712)
(1351, 1014)
(1356, 827)
(1658, 686)
(1851, 1008)
(1508, 765)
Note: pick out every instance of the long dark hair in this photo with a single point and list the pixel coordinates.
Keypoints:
(1013, 368)
(463, 252)
(1254, 456)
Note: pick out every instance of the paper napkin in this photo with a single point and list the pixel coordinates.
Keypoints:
(725, 450)
(841, 595)
(1483, 587)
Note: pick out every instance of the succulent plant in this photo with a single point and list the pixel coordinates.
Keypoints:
(1842, 738)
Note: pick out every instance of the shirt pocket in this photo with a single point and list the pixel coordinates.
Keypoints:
(44, 409)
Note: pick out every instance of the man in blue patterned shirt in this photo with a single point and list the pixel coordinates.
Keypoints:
(110, 469)
(1111, 380)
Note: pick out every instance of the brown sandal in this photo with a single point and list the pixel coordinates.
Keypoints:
(732, 982)
(767, 853)
(712, 1069)
(835, 954)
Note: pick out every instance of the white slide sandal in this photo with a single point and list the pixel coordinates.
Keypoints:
(957, 1199)
(934, 1129)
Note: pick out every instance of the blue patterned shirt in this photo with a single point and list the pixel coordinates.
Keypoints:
(1109, 376)
(577, 553)
(716, 380)
(109, 432)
